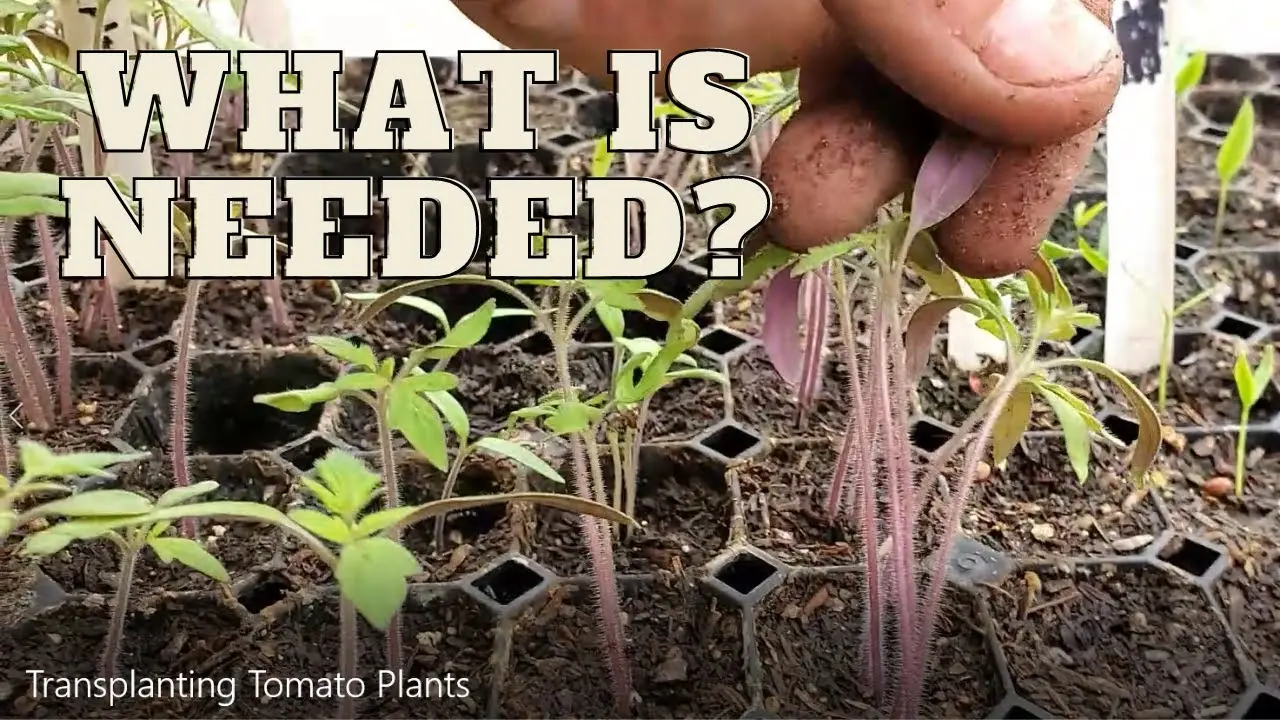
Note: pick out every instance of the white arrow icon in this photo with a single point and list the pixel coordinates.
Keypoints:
(14, 416)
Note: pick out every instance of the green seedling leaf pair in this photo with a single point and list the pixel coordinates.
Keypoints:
(1232, 158)
(41, 468)
(1251, 385)
(127, 519)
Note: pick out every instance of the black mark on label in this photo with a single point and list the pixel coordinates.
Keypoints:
(1140, 31)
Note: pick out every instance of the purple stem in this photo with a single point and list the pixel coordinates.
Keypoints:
(57, 314)
(817, 313)
(181, 395)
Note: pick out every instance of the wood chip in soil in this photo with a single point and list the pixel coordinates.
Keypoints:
(685, 650)
(813, 653)
(1037, 507)
(1140, 644)
(683, 509)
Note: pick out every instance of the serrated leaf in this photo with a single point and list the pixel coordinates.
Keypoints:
(519, 454)
(372, 574)
(191, 554)
(377, 522)
(952, 171)
(322, 525)
(297, 401)
(571, 417)
(1012, 424)
(429, 382)
(471, 328)
(415, 417)
(359, 355)
(350, 481)
(361, 381)
(1074, 432)
(453, 412)
(821, 255)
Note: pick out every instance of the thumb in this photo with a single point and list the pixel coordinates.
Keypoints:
(1024, 72)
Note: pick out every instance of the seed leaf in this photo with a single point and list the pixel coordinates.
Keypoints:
(780, 331)
(190, 553)
(97, 503)
(1011, 424)
(1244, 377)
(39, 461)
(520, 454)
(1236, 147)
(183, 495)
(297, 401)
(951, 173)
(413, 301)
(924, 323)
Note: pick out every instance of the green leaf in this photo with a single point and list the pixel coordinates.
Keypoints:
(1262, 375)
(768, 258)
(1095, 259)
(415, 417)
(1074, 431)
(322, 525)
(201, 22)
(453, 413)
(350, 480)
(924, 323)
(572, 417)
(372, 574)
(377, 522)
(189, 553)
(31, 206)
(1236, 147)
(612, 319)
(1012, 423)
(699, 374)
(1244, 377)
(471, 328)
(346, 351)
(1150, 433)
(658, 305)
(412, 301)
(183, 495)
(519, 454)
(297, 401)
(97, 503)
(361, 381)
(821, 255)
(1191, 72)
(429, 382)
(39, 462)
(18, 185)
(45, 542)
(1084, 214)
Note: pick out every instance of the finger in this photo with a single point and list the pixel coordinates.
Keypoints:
(999, 230)
(1025, 72)
(772, 34)
(850, 148)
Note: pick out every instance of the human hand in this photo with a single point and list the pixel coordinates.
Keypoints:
(880, 79)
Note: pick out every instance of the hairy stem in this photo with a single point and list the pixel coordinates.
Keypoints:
(347, 655)
(595, 534)
(6, 456)
(53, 285)
(1166, 357)
(908, 701)
(817, 318)
(395, 651)
(27, 372)
(181, 395)
(119, 614)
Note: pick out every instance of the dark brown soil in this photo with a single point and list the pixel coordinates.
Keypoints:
(813, 653)
(1110, 644)
(101, 390)
(686, 655)
(1251, 279)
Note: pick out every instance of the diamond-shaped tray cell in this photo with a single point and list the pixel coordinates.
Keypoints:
(744, 576)
(1017, 708)
(724, 343)
(222, 417)
(729, 442)
(1200, 560)
(1258, 703)
(508, 584)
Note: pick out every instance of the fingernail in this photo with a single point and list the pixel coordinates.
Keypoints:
(1044, 42)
